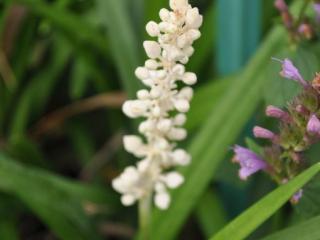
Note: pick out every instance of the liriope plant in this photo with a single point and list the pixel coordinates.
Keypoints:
(163, 105)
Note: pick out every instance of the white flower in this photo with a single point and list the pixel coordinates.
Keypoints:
(158, 104)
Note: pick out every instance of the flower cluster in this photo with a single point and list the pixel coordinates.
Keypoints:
(303, 27)
(163, 105)
(299, 129)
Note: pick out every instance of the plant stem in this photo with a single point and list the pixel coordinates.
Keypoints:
(145, 217)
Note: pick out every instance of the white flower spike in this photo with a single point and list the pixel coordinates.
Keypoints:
(175, 34)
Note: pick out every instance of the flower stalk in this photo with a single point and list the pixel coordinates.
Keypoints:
(163, 104)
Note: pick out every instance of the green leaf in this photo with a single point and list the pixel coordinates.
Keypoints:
(307, 230)
(210, 213)
(57, 201)
(218, 132)
(248, 221)
(32, 100)
(205, 100)
(123, 41)
(69, 24)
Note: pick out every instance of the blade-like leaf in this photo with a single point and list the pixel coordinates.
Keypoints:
(124, 46)
(57, 201)
(307, 230)
(247, 222)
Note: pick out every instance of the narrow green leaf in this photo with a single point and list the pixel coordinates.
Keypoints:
(307, 230)
(210, 213)
(205, 99)
(123, 41)
(57, 201)
(248, 221)
(68, 23)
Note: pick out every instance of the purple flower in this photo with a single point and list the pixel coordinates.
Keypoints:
(291, 72)
(250, 162)
(260, 132)
(281, 5)
(296, 197)
(275, 112)
(316, 8)
(313, 125)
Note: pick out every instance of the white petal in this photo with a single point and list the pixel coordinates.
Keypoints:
(128, 200)
(152, 48)
(174, 179)
(181, 157)
(162, 200)
(178, 4)
(152, 29)
(189, 78)
(182, 105)
(132, 143)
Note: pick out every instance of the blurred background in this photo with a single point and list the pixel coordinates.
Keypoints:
(66, 67)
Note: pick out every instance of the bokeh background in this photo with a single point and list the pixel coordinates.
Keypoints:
(66, 67)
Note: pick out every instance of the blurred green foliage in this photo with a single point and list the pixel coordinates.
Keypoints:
(66, 66)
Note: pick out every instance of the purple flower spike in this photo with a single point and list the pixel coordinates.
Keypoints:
(313, 125)
(316, 8)
(296, 197)
(260, 132)
(275, 112)
(281, 5)
(291, 72)
(250, 162)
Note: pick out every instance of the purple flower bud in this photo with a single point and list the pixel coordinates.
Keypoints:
(291, 72)
(313, 126)
(250, 162)
(275, 112)
(316, 8)
(281, 5)
(297, 196)
(260, 132)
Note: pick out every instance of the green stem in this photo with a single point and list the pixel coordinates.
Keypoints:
(145, 217)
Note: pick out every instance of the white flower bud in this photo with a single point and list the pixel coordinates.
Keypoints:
(189, 78)
(142, 73)
(153, 29)
(182, 105)
(134, 108)
(180, 119)
(188, 51)
(181, 157)
(146, 126)
(132, 143)
(152, 64)
(152, 49)
(162, 200)
(155, 92)
(184, 60)
(162, 144)
(178, 4)
(183, 41)
(164, 14)
(193, 34)
(178, 69)
(193, 18)
(167, 27)
(156, 111)
(161, 74)
(128, 200)
(177, 134)
(186, 93)
(164, 125)
(173, 179)
(143, 94)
